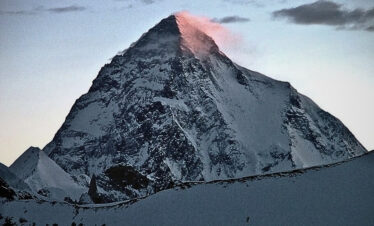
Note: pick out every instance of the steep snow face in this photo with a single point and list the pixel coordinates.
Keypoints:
(44, 176)
(24, 166)
(341, 194)
(172, 115)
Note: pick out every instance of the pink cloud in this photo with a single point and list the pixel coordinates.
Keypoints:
(191, 25)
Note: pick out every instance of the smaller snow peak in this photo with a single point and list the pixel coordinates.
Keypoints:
(31, 154)
(26, 163)
(34, 150)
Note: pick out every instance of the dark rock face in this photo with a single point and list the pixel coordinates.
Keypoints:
(9, 193)
(123, 176)
(11, 179)
(92, 190)
(6, 191)
(158, 114)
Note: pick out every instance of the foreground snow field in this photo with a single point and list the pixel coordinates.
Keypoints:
(338, 194)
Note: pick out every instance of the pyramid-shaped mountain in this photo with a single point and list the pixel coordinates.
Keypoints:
(172, 107)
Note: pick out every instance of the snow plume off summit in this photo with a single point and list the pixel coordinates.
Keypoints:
(173, 108)
(193, 29)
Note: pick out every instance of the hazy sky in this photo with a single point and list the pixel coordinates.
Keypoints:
(50, 51)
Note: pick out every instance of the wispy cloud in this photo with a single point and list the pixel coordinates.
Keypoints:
(231, 19)
(329, 13)
(40, 9)
(72, 8)
(255, 3)
(17, 12)
(147, 2)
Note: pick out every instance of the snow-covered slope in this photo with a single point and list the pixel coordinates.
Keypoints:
(339, 194)
(44, 176)
(11, 179)
(12, 187)
(170, 112)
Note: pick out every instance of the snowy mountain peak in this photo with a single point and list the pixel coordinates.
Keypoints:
(44, 176)
(176, 35)
(163, 111)
(26, 163)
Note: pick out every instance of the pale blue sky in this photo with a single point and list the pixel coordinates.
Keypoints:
(49, 57)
